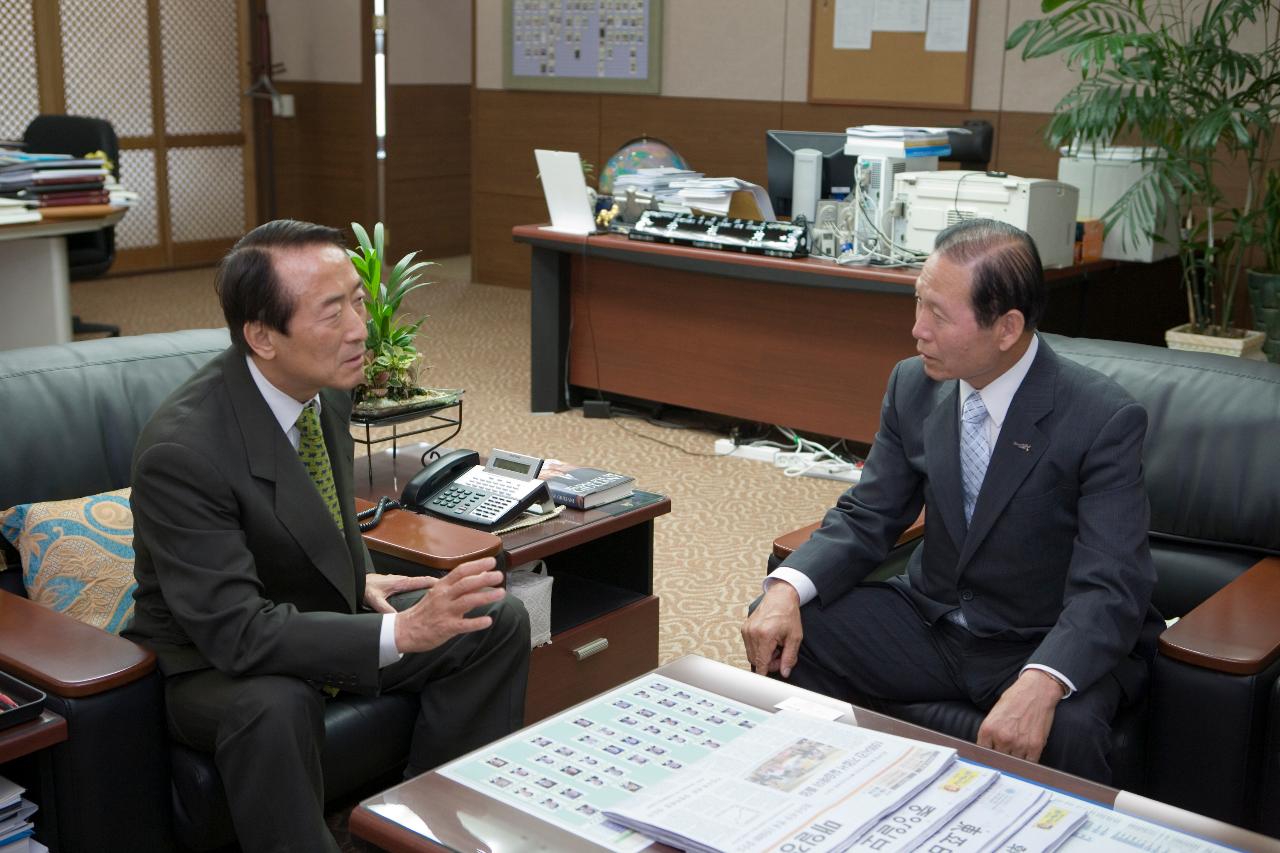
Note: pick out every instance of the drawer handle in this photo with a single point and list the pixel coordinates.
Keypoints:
(592, 648)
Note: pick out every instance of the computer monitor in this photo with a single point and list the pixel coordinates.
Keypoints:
(780, 147)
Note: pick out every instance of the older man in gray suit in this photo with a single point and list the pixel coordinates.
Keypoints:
(1030, 596)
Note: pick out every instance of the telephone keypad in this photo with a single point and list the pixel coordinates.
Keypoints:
(461, 501)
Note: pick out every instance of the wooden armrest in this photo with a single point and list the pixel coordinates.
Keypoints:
(426, 540)
(62, 656)
(788, 542)
(1235, 630)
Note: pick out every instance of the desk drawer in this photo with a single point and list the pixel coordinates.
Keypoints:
(558, 679)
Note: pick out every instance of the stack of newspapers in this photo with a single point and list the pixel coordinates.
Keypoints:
(805, 784)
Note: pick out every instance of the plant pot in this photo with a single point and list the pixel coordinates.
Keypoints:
(1264, 299)
(1249, 346)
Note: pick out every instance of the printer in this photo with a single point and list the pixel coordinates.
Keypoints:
(927, 202)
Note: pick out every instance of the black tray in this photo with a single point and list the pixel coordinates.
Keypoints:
(30, 701)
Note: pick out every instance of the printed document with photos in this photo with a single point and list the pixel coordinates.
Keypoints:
(797, 783)
(569, 769)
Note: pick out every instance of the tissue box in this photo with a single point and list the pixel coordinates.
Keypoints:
(532, 585)
(29, 699)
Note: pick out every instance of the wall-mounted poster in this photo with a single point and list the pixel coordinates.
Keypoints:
(583, 45)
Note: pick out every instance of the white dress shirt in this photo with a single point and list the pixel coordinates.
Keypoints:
(286, 411)
(996, 397)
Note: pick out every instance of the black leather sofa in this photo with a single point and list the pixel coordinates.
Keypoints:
(1207, 737)
(70, 416)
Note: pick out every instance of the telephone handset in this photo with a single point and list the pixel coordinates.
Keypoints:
(457, 487)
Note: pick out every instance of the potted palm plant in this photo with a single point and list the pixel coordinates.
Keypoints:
(1180, 79)
(392, 362)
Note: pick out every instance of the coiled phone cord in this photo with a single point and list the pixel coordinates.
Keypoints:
(374, 513)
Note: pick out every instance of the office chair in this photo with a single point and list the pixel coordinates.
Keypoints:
(971, 150)
(89, 255)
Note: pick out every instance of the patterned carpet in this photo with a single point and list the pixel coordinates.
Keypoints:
(710, 550)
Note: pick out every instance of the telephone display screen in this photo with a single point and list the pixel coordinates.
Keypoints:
(510, 465)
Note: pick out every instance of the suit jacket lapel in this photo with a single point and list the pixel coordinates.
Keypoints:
(298, 505)
(942, 461)
(1019, 447)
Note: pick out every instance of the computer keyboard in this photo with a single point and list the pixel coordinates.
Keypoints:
(779, 239)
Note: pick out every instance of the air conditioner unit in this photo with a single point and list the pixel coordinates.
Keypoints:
(931, 201)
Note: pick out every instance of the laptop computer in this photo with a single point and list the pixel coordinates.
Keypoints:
(566, 192)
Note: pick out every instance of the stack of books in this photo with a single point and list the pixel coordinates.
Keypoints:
(15, 820)
(41, 181)
(896, 141)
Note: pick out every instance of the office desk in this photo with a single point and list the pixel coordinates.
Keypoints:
(461, 818)
(604, 615)
(35, 296)
(803, 343)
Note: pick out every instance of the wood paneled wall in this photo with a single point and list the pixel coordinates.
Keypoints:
(325, 169)
(719, 137)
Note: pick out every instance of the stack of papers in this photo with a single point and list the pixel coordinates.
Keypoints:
(714, 195)
(15, 820)
(897, 141)
(656, 182)
(13, 211)
(800, 783)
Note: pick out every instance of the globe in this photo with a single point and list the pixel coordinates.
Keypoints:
(642, 153)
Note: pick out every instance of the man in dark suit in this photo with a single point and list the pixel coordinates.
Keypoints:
(1030, 595)
(255, 589)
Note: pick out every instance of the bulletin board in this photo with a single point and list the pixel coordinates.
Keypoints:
(895, 68)
(583, 45)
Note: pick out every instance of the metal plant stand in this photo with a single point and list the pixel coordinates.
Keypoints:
(434, 418)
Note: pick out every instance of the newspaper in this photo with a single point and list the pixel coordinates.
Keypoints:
(990, 819)
(1105, 829)
(1048, 829)
(937, 804)
(798, 783)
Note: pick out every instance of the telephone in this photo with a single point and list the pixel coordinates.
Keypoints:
(457, 487)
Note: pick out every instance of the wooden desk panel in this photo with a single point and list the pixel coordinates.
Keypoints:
(799, 342)
(810, 358)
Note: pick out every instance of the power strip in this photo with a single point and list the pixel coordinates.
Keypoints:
(825, 469)
(725, 447)
(829, 470)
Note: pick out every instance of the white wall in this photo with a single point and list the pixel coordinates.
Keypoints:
(428, 42)
(317, 40)
(759, 50)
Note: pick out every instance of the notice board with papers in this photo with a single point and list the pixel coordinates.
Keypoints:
(916, 53)
(583, 45)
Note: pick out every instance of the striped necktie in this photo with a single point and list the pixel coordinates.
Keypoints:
(975, 452)
(315, 456)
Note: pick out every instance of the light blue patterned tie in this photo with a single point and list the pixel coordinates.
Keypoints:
(975, 453)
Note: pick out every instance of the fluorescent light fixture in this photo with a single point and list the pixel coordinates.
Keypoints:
(380, 75)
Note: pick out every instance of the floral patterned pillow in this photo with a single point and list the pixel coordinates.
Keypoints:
(77, 556)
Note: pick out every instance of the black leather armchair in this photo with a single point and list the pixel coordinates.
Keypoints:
(72, 414)
(1203, 739)
(89, 254)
